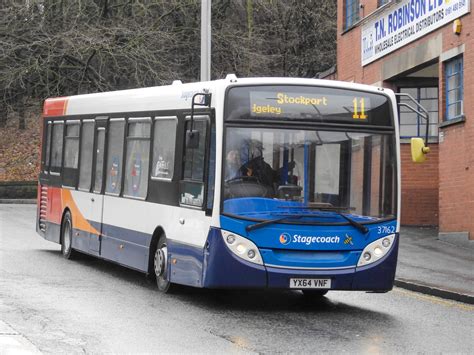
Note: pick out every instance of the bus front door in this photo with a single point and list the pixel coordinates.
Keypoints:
(97, 197)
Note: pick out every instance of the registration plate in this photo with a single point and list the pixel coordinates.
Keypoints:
(310, 283)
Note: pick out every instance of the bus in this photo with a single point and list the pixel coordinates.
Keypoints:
(281, 183)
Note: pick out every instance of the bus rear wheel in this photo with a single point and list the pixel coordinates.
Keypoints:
(160, 264)
(66, 237)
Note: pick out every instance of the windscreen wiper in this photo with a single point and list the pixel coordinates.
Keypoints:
(252, 227)
(336, 210)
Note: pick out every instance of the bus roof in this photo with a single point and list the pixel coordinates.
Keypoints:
(175, 96)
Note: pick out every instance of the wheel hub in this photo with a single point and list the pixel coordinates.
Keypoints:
(160, 261)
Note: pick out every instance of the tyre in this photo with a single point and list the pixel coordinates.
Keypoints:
(160, 265)
(66, 237)
(314, 293)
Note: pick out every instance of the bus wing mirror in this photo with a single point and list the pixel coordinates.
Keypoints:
(202, 99)
(418, 150)
(192, 139)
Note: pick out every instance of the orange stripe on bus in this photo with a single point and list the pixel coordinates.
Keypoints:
(78, 220)
(55, 107)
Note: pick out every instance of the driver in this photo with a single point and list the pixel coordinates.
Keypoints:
(233, 169)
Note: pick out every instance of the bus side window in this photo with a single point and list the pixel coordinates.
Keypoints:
(87, 147)
(192, 186)
(57, 148)
(164, 142)
(71, 153)
(137, 159)
(71, 146)
(47, 149)
(115, 156)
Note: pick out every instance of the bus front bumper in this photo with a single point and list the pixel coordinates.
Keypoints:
(222, 269)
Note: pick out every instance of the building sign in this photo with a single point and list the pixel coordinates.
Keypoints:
(405, 22)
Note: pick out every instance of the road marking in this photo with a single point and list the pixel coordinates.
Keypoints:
(435, 300)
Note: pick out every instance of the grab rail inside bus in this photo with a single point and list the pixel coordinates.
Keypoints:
(418, 148)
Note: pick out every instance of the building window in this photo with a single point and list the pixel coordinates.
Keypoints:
(351, 13)
(454, 88)
(411, 123)
(382, 2)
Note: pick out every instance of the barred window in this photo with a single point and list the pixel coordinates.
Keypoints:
(454, 88)
(351, 13)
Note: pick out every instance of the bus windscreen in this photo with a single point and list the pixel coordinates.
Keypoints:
(307, 103)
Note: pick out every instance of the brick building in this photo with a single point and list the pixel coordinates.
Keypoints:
(424, 48)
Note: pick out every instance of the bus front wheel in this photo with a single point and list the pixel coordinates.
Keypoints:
(161, 267)
(66, 237)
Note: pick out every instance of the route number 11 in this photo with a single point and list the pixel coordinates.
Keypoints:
(357, 115)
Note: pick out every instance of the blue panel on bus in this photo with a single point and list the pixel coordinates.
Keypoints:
(186, 268)
(309, 237)
(222, 269)
(380, 275)
(309, 259)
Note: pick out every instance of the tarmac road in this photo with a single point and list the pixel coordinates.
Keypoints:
(92, 306)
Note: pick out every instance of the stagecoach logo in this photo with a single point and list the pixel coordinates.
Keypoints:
(286, 239)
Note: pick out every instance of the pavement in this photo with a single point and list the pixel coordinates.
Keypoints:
(436, 267)
(14, 343)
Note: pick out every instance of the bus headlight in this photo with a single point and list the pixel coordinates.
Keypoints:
(242, 247)
(376, 250)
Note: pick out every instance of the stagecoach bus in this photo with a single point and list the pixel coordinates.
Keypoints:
(237, 183)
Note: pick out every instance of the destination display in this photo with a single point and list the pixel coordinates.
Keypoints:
(307, 103)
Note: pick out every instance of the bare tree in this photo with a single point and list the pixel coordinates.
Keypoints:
(60, 47)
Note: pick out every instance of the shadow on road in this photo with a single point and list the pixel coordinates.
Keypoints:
(265, 302)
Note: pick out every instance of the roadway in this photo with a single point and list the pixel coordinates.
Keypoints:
(92, 306)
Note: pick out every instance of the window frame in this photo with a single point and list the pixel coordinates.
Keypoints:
(157, 119)
(107, 150)
(447, 75)
(47, 146)
(60, 167)
(75, 171)
(351, 18)
(99, 128)
(131, 120)
(93, 121)
(420, 122)
(205, 117)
